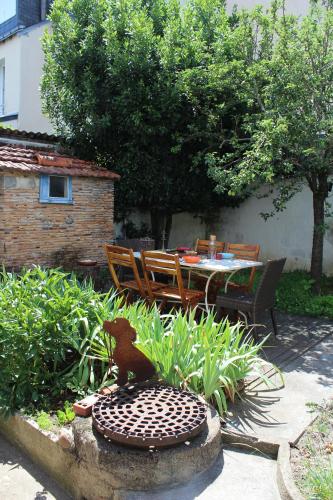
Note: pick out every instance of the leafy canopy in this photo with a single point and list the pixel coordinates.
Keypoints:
(126, 81)
(283, 73)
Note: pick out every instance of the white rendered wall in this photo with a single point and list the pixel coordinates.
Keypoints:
(297, 7)
(31, 117)
(287, 234)
(10, 53)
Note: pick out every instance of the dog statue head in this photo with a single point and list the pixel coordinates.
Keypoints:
(120, 328)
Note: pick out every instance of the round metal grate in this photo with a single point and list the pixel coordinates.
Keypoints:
(149, 415)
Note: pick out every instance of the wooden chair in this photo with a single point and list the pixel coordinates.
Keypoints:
(245, 252)
(201, 246)
(163, 263)
(252, 305)
(124, 258)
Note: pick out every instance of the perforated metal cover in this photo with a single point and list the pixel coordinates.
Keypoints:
(145, 415)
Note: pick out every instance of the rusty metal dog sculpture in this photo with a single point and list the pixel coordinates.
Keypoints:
(126, 356)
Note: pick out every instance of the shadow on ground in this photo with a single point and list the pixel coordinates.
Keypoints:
(21, 479)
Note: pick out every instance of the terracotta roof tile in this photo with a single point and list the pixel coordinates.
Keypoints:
(19, 159)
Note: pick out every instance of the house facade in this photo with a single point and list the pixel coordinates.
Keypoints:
(54, 209)
(22, 24)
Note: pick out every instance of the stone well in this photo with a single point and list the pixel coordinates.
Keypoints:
(91, 467)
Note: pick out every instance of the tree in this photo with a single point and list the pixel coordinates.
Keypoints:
(283, 72)
(115, 87)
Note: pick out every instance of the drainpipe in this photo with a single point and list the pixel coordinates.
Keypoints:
(43, 10)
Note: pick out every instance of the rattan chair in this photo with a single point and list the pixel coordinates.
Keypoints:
(163, 263)
(252, 305)
(120, 257)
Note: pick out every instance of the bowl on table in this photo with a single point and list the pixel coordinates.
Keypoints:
(191, 259)
(225, 255)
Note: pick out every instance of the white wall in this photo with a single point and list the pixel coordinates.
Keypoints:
(10, 53)
(31, 117)
(288, 234)
(297, 7)
(23, 57)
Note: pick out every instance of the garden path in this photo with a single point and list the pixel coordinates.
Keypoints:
(21, 479)
(304, 353)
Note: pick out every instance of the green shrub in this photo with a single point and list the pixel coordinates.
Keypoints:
(40, 335)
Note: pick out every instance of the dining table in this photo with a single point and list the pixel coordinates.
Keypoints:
(211, 267)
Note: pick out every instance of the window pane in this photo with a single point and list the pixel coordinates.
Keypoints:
(7, 9)
(58, 187)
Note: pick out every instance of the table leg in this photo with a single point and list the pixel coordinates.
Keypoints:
(206, 290)
(228, 279)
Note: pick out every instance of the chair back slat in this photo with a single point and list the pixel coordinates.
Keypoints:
(265, 293)
(122, 257)
(202, 246)
(163, 263)
(245, 252)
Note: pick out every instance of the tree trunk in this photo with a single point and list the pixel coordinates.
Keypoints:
(160, 221)
(318, 238)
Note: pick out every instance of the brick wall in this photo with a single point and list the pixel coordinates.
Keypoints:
(54, 235)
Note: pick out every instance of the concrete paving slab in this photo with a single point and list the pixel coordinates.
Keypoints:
(21, 479)
(272, 415)
(236, 475)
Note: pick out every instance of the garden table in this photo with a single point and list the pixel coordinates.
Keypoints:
(212, 267)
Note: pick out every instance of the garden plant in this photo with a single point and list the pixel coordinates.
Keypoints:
(53, 348)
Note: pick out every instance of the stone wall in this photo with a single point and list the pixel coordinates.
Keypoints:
(54, 234)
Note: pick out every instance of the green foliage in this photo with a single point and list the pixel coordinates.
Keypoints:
(52, 344)
(126, 81)
(295, 295)
(283, 74)
(41, 319)
(319, 480)
(44, 421)
(207, 357)
(67, 415)
(315, 456)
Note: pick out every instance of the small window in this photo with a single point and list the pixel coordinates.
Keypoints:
(55, 189)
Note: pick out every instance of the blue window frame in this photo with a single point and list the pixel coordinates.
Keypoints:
(55, 189)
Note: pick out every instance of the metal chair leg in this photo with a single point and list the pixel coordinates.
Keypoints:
(254, 325)
(274, 321)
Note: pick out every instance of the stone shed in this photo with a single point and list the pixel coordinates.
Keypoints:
(54, 209)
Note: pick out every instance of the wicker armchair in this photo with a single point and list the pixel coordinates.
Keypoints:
(251, 305)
